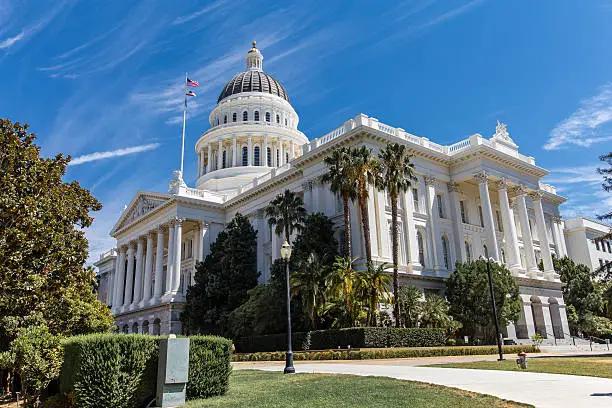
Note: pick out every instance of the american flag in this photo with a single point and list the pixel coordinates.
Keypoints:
(192, 83)
(190, 93)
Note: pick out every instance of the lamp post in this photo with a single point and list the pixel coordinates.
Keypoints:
(495, 319)
(286, 255)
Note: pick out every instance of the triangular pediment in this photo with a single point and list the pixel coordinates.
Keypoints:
(143, 203)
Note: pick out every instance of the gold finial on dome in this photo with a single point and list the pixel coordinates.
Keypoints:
(254, 59)
(254, 49)
(254, 44)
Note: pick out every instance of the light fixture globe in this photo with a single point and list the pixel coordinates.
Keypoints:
(285, 251)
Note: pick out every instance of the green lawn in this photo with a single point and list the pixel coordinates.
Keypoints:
(590, 366)
(249, 388)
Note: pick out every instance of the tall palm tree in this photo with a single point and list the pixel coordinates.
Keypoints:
(365, 169)
(376, 283)
(341, 281)
(342, 183)
(308, 281)
(286, 214)
(397, 173)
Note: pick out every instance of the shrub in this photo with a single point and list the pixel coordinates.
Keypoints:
(384, 353)
(110, 370)
(357, 337)
(209, 366)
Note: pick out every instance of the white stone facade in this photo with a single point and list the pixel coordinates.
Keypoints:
(585, 245)
(478, 196)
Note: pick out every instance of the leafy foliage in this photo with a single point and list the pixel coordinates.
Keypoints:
(209, 366)
(607, 183)
(397, 173)
(410, 299)
(579, 289)
(467, 290)
(223, 280)
(42, 244)
(286, 214)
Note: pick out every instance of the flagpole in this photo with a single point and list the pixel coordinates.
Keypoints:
(184, 119)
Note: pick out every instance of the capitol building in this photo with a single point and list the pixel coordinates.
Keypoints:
(478, 196)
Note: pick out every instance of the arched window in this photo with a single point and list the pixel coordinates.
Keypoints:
(486, 251)
(503, 256)
(224, 158)
(269, 157)
(285, 121)
(480, 215)
(468, 251)
(421, 248)
(245, 116)
(256, 117)
(440, 205)
(217, 121)
(245, 156)
(287, 157)
(277, 119)
(145, 327)
(445, 252)
(277, 157)
(267, 116)
(224, 119)
(256, 154)
(234, 117)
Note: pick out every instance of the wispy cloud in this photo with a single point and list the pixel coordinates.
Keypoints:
(113, 153)
(11, 40)
(586, 125)
(577, 174)
(186, 18)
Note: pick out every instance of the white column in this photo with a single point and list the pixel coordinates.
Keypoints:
(129, 277)
(250, 151)
(138, 274)
(432, 218)
(410, 229)
(199, 163)
(487, 214)
(385, 249)
(234, 152)
(220, 155)
(159, 267)
(292, 151)
(307, 186)
(148, 271)
(372, 217)
(204, 240)
(265, 151)
(170, 260)
(119, 281)
(513, 257)
(559, 236)
(531, 266)
(455, 199)
(315, 201)
(549, 270)
(281, 156)
(209, 165)
(176, 276)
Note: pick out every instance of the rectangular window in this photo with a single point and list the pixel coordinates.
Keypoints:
(499, 221)
(608, 245)
(480, 216)
(440, 206)
(464, 218)
(596, 244)
(415, 199)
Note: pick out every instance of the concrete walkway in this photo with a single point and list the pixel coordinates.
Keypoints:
(538, 389)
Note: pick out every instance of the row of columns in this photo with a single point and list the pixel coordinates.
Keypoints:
(205, 155)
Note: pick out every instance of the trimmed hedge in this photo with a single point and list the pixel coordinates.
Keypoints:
(110, 370)
(120, 371)
(209, 366)
(357, 337)
(384, 353)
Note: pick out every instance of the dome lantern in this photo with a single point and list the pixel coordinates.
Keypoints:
(254, 59)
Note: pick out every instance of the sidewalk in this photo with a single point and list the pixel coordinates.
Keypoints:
(538, 389)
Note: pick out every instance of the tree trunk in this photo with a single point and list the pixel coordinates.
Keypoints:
(394, 250)
(347, 226)
(365, 221)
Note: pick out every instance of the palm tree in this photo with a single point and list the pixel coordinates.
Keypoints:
(434, 312)
(410, 299)
(341, 183)
(376, 283)
(365, 170)
(341, 281)
(286, 213)
(308, 281)
(396, 176)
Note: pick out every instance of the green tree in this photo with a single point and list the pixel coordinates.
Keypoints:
(467, 290)
(410, 299)
(341, 182)
(434, 312)
(315, 237)
(397, 173)
(308, 283)
(42, 242)
(223, 280)
(607, 183)
(365, 169)
(375, 282)
(286, 214)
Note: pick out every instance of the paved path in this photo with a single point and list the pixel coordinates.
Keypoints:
(539, 389)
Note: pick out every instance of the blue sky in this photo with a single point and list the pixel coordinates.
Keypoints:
(106, 76)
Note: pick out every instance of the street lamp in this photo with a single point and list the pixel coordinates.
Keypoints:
(497, 333)
(286, 255)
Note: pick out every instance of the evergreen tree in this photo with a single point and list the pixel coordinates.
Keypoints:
(42, 243)
(223, 280)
